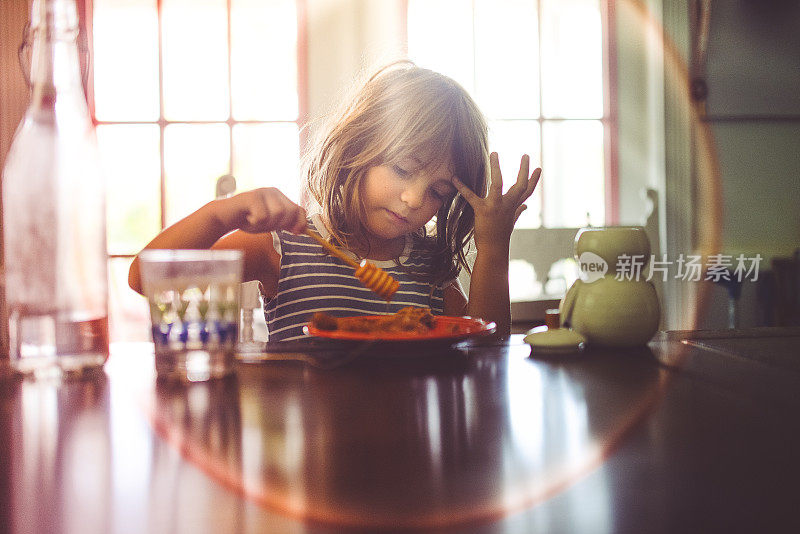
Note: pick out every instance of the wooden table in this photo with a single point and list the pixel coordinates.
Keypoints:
(698, 432)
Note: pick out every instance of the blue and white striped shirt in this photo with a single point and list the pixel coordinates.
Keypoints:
(311, 280)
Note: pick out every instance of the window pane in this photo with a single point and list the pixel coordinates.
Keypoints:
(195, 55)
(573, 174)
(125, 57)
(512, 139)
(266, 155)
(264, 59)
(129, 316)
(506, 48)
(130, 156)
(440, 37)
(194, 157)
(572, 59)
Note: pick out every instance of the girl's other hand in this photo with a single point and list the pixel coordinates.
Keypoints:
(496, 214)
(262, 210)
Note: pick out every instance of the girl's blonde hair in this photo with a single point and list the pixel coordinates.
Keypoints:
(403, 111)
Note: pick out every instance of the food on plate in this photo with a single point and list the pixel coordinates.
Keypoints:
(408, 319)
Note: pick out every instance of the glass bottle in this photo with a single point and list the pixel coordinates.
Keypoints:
(54, 232)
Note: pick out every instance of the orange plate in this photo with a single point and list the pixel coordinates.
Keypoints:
(446, 329)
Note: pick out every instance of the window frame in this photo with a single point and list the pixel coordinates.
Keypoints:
(125, 321)
(610, 104)
(85, 9)
(610, 116)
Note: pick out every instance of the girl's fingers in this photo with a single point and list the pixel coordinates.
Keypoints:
(256, 214)
(524, 167)
(519, 211)
(496, 185)
(465, 191)
(271, 210)
(281, 216)
(532, 183)
(523, 194)
(522, 177)
(288, 213)
(300, 222)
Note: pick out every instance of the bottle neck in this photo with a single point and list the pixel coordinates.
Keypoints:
(55, 61)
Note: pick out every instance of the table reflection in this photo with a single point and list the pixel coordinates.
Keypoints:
(414, 442)
(480, 439)
(59, 445)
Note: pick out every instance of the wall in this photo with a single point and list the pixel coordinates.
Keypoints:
(346, 40)
(13, 101)
(753, 108)
(13, 91)
(753, 115)
(640, 106)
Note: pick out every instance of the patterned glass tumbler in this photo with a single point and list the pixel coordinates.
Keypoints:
(194, 310)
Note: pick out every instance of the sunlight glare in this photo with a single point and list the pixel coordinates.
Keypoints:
(125, 60)
(575, 192)
(506, 35)
(195, 58)
(512, 139)
(131, 163)
(264, 59)
(194, 157)
(266, 155)
(572, 59)
(439, 34)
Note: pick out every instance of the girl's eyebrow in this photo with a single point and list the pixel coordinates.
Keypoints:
(409, 159)
(420, 164)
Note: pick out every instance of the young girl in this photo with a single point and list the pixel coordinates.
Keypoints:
(400, 178)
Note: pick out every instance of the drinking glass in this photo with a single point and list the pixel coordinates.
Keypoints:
(194, 309)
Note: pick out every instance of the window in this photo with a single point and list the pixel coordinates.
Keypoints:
(183, 92)
(536, 69)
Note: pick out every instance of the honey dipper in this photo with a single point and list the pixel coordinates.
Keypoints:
(374, 278)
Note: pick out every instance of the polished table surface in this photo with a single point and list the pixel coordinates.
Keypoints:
(697, 432)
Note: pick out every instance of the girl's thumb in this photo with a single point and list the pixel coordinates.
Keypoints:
(519, 212)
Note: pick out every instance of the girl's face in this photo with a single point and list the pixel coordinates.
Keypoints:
(400, 198)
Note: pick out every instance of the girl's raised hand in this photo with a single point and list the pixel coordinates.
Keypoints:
(496, 214)
(261, 210)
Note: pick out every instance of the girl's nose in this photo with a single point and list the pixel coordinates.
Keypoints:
(414, 194)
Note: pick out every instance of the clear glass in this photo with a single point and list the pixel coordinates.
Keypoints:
(267, 155)
(125, 60)
(512, 139)
(572, 59)
(264, 85)
(506, 48)
(195, 59)
(195, 155)
(574, 194)
(130, 155)
(495, 47)
(194, 310)
(54, 213)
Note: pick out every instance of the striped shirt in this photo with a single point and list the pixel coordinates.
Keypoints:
(311, 280)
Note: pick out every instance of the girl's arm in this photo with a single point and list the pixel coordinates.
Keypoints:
(239, 222)
(455, 302)
(488, 288)
(495, 216)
